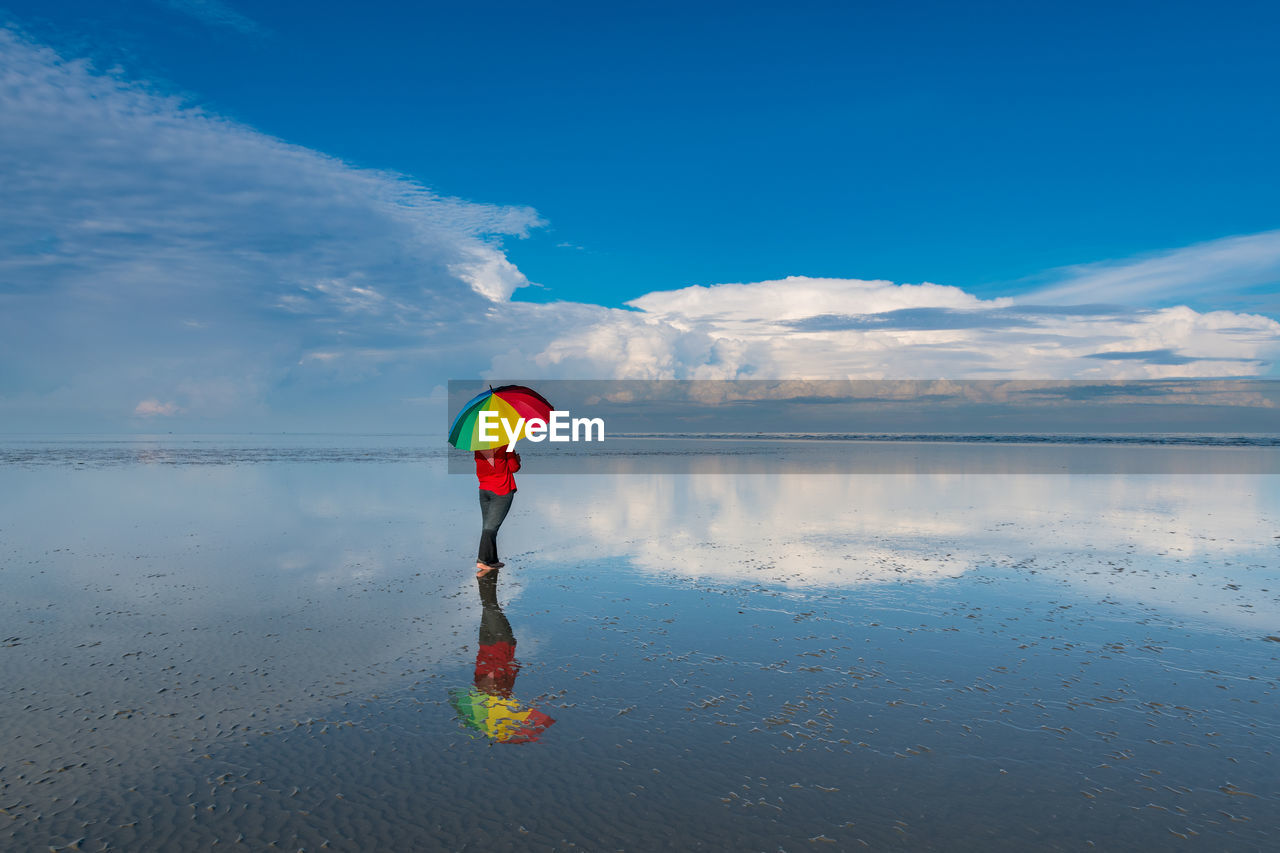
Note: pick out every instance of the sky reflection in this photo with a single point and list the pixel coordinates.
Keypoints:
(1202, 547)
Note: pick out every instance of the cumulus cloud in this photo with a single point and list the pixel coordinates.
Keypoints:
(846, 328)
(797, 297)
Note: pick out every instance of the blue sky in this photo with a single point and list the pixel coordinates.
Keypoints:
(576, 167)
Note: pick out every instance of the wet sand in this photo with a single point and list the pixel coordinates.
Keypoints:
(200, 649)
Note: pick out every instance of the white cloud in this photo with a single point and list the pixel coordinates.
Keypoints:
(1232, 263)
(798, 297)
(490, 274)
(147, 245)
(846, 328)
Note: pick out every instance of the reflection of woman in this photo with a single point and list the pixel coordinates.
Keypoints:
(496, 666)
(494, 470)
(490, 708)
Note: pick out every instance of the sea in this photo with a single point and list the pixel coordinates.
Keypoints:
(704, 642)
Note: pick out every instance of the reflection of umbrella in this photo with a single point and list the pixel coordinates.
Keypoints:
(500, 719)
(511, 402)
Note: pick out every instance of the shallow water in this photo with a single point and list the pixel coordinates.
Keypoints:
(259, 641)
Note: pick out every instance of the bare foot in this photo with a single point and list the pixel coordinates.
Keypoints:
(483, 569)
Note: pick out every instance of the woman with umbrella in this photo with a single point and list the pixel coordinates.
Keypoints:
(515, 405)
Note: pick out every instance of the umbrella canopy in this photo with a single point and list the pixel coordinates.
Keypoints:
(510, 402)
(498, 718)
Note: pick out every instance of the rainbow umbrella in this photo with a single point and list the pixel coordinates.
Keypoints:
(498, 718)
(511, 402)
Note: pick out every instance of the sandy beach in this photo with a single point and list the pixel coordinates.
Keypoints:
(204, 648)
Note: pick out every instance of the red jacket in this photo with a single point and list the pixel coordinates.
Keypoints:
(496, 476)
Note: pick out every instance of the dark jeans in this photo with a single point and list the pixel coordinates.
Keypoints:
(493, 509)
